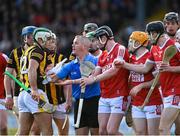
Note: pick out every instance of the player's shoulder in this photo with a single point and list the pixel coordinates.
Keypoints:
(4, 56)
(91, 58)
(36, 52)
(38, 49)
(170, 42)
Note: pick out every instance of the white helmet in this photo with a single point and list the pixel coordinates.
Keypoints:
(42, 33)
(54, 36)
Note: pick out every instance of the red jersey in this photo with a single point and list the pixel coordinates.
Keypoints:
(136, 79)
(3, 63)
(169, 80)
(118, 84)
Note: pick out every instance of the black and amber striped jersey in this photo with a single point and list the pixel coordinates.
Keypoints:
(14, 62)
(54, 92)
(38, 54)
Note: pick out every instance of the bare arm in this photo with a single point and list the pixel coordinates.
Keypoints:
(107, 74)
(147, 84)
(135, 90)
(139, 68)
(166, 67)
(68, 95)
(32, 74)
(98, 76)
(9, 88)
(97, 71)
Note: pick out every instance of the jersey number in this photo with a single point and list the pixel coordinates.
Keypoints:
(23, 63)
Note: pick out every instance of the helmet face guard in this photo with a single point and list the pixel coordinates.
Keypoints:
(42, 33)
(136, 40)
(155, 27)
(152, 38)
(93, 39)
(104, 31)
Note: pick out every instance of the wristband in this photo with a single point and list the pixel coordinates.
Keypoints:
(73, 82)
(95, 79)
(8, 96)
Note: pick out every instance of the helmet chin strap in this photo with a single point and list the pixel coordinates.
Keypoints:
(25, 41)
(39, 44)
(103, 43)
(155, 39)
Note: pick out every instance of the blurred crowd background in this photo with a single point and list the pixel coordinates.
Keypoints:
(67, 17)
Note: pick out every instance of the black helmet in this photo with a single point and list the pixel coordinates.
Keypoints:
(155, 26)
(171, 16)
(89, 27)
(104, 30)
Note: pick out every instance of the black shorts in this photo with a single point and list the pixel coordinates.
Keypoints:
(89, 116)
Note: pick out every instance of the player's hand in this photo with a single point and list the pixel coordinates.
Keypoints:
(165, 67)
(9, 103)
(135, 90)
(68, 106)
(49, 67)
(35, 95)
(86, 81)
(118, 62)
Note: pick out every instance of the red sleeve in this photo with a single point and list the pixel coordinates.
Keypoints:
(151, 58)
(123, 53)
(3, 59)
(126, 55)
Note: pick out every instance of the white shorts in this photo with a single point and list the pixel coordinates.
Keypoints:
(27, 104)
(2, 106)
(112, 105)
(149, 112)
(172, 101)
(60, 112)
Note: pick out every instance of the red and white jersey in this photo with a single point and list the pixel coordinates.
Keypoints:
(3, 63)
(137, 78)
(170, 81)
(118, 84)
